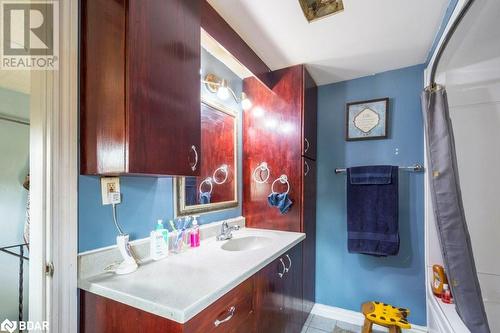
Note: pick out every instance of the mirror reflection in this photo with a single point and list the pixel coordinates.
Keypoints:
(216, 187)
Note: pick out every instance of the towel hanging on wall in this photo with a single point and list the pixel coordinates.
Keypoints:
(372, 210)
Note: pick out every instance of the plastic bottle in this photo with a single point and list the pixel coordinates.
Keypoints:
(446, 295)
(438, 280)
(158, 242)
(194, 235)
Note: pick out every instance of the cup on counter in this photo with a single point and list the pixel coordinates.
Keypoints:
(181, 242)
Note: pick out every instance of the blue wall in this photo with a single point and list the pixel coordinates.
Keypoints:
(346, 280)
(146, 199)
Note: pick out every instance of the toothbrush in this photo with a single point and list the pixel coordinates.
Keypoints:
(179, 237)
(172, 225)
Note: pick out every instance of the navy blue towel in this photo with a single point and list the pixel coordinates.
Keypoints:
(205, 198)
(372, 210)
(280, 200)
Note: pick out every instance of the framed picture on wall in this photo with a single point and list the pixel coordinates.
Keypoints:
(367, 120)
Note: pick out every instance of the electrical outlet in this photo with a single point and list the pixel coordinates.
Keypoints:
(110, 190)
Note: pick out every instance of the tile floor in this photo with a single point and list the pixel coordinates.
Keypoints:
(318, 324)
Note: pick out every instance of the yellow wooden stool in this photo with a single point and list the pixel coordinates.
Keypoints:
(384, 315)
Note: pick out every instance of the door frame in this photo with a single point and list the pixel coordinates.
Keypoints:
(54, 183)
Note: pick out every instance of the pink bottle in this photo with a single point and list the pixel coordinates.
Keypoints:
(447, 295)
(194, 234)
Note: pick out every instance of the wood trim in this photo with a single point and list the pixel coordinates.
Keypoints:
(222, 32)
(53, 182)
(63, 311)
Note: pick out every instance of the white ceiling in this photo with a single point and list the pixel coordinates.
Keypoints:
(368, 37)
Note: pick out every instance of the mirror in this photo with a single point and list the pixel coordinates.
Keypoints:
(216, 187)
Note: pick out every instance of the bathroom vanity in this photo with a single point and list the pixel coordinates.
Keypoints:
(250, 283)
(141, 115)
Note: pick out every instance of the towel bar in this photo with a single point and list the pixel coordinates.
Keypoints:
(414, 168)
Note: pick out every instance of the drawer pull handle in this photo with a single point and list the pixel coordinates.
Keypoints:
(308, 168)
(307, 145)
(290, 260)
(195, 165)
(228, 318)
(284, 269)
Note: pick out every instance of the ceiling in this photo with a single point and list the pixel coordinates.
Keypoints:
(368, 37)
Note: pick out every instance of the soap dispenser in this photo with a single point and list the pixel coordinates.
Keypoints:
(159, 242)
(194, 235)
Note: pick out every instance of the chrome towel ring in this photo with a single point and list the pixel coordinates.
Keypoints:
(224, 168)
(208, 181)
(283, 179)
(261, 167)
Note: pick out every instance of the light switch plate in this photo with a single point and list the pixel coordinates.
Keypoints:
(109, 185)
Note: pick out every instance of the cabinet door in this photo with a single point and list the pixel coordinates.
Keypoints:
(269, 299)
(163, 87)
(293, 304)
(272, 134)
(309, 227)
(310, 117)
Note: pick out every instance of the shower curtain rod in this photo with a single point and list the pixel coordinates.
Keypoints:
(446, 40)
(14, 120)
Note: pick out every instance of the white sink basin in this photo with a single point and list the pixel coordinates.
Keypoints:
(246, 243)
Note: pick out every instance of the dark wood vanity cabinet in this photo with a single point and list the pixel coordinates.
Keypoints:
(309, 227)
(140, 95)
(280, 130)
(278, 297)
(268, 302)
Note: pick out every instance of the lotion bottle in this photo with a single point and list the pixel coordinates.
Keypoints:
(159, 242)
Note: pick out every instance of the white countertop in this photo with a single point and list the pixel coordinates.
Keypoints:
(182, 285)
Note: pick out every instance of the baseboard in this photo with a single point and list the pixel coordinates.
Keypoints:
(353, 317)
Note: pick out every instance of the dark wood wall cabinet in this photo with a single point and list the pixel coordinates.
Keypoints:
(268, 302)
(280, 130)
(140, 95)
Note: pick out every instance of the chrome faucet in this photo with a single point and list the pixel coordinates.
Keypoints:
(226, 232)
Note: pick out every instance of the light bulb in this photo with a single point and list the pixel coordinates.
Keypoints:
(223, 91)
(258, 112)
(271, 123)
(246, 103)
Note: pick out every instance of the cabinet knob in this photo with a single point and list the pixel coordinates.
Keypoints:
(307, 145)
(231, 312)
(290, 261)
(307, 167)
(280, 274)
(195, 164)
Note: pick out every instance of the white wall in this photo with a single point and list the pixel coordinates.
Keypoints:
(470, 70)
(474, 97)
(14, 163)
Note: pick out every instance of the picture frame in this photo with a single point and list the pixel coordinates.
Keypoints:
(367, 120)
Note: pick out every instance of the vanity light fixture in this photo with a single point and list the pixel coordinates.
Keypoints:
(316, 9)
(221, 87)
